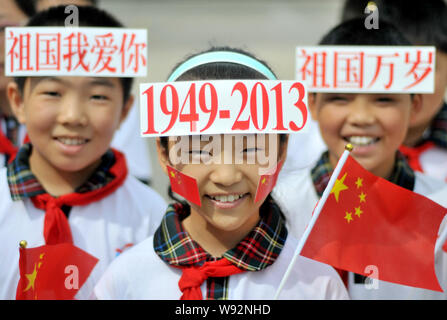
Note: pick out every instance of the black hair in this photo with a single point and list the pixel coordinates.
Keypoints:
(421, 22)
(88, 17)
(26, 6)
(353, 32)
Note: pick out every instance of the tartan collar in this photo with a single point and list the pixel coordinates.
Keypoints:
(23, 184)
(402, 174)
(437, 132)
(258, 250)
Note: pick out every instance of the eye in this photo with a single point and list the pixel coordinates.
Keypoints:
(52, 93)
(99, 97)
(247, 150)
(384, 100)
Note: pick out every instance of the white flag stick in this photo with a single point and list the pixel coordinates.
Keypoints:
(315, 215)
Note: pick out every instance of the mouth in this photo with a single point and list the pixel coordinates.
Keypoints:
(361, 141)
(227, 201)
(72, 141)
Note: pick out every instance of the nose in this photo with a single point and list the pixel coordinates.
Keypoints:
(72, 112)
(226, 174)
(361, 113)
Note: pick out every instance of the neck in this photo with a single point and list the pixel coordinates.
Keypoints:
(213, 240)
(57, 182)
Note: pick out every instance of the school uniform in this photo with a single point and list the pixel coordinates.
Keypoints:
(302, 189)
(125, 216)
(430, 155)
(162, 266)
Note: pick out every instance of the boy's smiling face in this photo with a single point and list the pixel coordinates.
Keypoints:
(70, 120)
(227, 190)
(375, 124)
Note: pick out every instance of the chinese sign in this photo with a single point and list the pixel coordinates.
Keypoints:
(222, 106)
(375, 69)
(53, 51)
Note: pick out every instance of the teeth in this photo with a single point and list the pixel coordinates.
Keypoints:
(361, 140)
(72, 141)
(229, 198)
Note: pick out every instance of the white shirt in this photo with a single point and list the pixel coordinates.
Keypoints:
(140, 274)
(295, 193)
(434, 162)
(127, 216)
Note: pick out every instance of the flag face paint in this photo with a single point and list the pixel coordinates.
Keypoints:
(184, 185)
(369, 221)
(267, 182)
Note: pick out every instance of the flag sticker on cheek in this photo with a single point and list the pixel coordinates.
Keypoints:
(267, 182)
(184, 185)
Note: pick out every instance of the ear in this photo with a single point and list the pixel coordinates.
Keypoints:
(416, 107)
(163, 156)
(16, 102)
(126, 109)
(312, 103)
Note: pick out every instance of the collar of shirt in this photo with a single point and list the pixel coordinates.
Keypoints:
(255, 252)
(23, 184)
(438, 128)
(402, 174)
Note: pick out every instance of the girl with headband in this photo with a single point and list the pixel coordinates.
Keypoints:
(230, 246)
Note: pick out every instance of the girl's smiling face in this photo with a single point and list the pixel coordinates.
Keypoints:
(227, 188)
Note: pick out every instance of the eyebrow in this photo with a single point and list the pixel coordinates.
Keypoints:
(102, 82)
(94, 82)
(34, 81)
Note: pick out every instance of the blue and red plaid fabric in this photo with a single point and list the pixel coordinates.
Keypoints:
(23, 184)
(258, 250)
(402, 174)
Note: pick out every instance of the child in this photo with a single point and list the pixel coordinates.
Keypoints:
(67, 185)
(12, 14)
(229, 247)
(375, 124)
(423, 23)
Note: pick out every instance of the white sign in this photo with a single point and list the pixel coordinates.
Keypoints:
(223, 106)
(374, 69)
(85, 51)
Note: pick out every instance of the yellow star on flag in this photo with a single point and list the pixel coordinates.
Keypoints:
(173, 174)
(362, 197)
(339, 186)
(348, 216)
(359, 183)
(358, 211)
(31, 279)
(263, 180)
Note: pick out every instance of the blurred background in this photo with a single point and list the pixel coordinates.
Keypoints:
(177, 28)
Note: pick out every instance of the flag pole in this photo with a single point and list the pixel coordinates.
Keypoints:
(316, 213)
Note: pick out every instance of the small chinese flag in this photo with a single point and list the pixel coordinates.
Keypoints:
(367, 220)
(184, 185)
(267, 182)
(53, 272)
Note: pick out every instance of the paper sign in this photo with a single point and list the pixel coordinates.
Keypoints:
(374, 69)
(84, 51)
(222, 106)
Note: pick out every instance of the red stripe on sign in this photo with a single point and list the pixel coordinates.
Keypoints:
(224, 114)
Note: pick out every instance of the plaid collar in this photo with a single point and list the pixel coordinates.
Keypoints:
(23, 184)
(258, 250)
(438, 129)
(402, 174)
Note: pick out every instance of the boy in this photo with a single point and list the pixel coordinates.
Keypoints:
(68, 170)
(375, 124)
(423, 23)
(11, 133)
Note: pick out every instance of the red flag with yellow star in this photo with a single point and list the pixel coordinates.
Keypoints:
(369, 221)
(267, 182)
(53, 272)
(184, 185)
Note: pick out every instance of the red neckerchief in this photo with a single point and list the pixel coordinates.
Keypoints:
(56, 227)
(413, 154)
(7, 147)
(193, 277)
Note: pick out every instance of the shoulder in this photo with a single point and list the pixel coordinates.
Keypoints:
(426, 185)
(293, 183)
